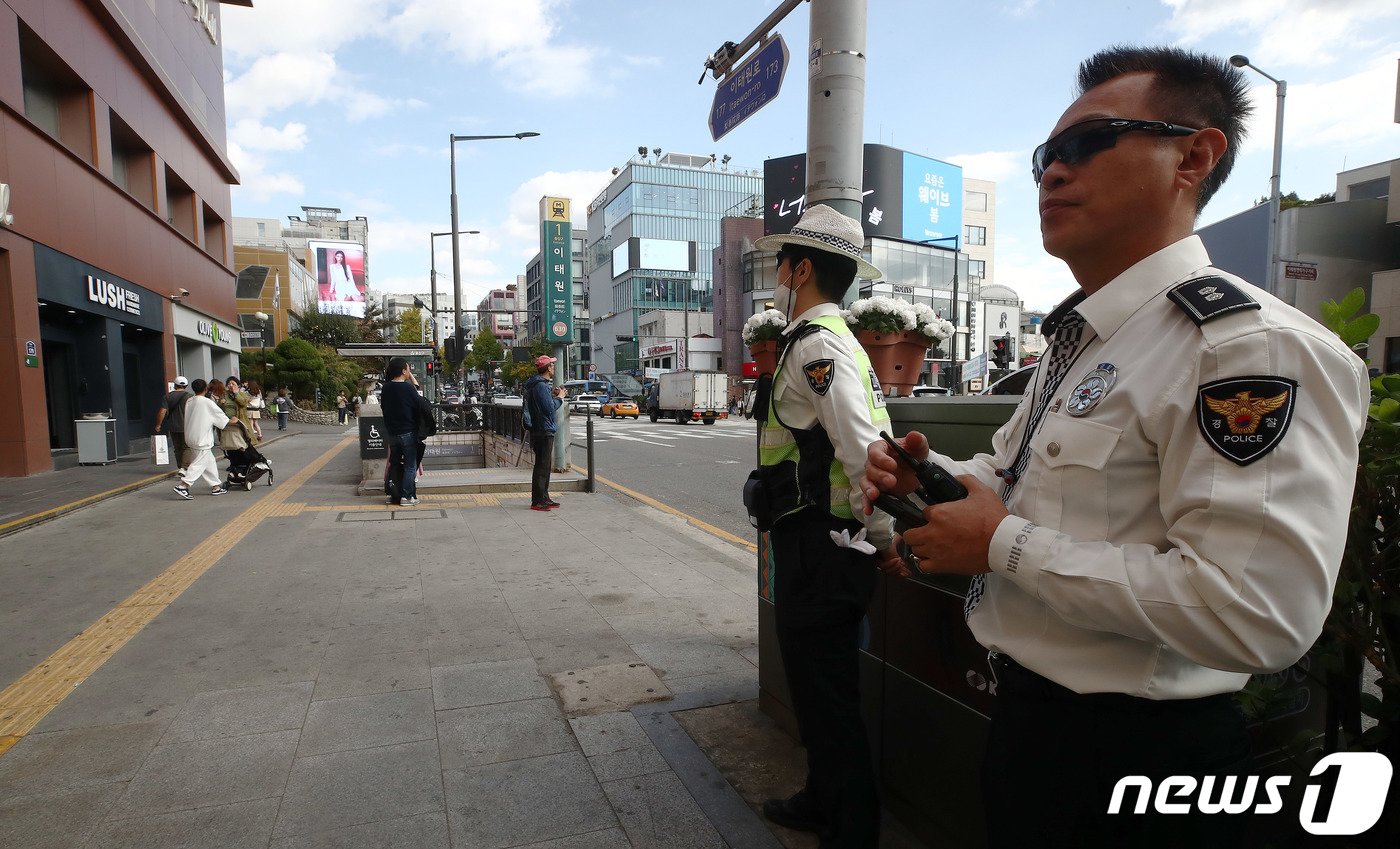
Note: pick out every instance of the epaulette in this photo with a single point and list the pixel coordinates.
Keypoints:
(1210, 297)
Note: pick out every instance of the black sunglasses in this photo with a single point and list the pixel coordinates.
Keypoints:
(1078, 142)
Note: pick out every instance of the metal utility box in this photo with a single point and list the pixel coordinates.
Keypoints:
(97, 441)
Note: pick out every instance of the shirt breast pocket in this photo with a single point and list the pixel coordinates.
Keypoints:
(1069, 476)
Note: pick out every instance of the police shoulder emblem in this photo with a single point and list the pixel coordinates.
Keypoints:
(1245, 418)
(819, 375)
(1092, 389)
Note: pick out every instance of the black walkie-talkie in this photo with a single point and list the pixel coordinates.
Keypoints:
(936, 486)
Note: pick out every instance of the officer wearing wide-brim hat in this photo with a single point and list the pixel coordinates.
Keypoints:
(825, 408)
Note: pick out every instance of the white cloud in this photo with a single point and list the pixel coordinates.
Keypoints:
(251, 134)
(296, 26)
(1298, 33)
(255, 181)
(1041, 280)
(549, 70)
(995, 165)
(522, 224)
(277, 81)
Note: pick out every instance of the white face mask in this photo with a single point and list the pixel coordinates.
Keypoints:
(791, 298)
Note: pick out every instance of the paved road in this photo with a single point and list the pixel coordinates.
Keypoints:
(695, 468)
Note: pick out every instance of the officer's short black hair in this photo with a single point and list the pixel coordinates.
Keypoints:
(1194, 90)
(396, 367)
(834, 273)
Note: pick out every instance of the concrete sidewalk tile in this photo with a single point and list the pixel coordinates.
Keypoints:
(502, 732)
(250, 710)
(603, 689)
(261, 665)
(363, 722)
(468, 647)
(361, 786)
(201, 773)
(343, 676)
(524, 802)
(245, 825)
(734, 686)
(657, 626)
(616, 746)
(56, 820)
(395, 612)
(558, 654)
(487, 683)
(657, 812)
(62, 759)
(576, 618)
(690, 657)
(535, 597)
(608, 838)
(383, 590)
(451, 613)
(421, 831)
(362, 640)
(114, 696)
(616, 600)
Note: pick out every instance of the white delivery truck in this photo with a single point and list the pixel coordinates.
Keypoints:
(689, 396)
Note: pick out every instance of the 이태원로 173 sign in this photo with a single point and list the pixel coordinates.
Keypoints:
(557, 272)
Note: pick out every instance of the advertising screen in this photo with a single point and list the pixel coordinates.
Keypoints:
(664, 255)
(619, 260)
(933, 199)
(340, 277)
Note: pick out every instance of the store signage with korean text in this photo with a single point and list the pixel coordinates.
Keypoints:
(557, 277)
(109, 294)
(1297, 271)
(212, 331)
(203, 12)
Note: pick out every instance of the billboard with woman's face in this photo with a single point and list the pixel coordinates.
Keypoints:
(339, 268)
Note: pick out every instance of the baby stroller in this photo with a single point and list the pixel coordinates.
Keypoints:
(246, 466)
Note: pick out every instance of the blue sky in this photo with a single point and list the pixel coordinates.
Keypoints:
(349, 103)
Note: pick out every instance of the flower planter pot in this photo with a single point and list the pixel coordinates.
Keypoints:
(898, 358)
(765, 355)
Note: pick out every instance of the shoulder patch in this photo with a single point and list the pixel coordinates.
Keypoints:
(1210, 297)
(1244, 418)
(819, 375)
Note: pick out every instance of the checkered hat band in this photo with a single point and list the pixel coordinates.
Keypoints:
(834, 241)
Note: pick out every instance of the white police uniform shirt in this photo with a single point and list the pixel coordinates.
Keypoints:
(1139, 556)
(843, 410)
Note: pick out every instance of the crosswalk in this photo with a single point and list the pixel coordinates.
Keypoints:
(663, 433)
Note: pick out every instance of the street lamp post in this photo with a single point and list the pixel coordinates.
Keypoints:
(456, 261)
(432, 273)
(1281, 89)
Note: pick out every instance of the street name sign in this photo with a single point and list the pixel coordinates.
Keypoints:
(749, 87)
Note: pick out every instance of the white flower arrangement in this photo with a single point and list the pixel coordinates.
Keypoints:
(764, 327)
(930, 325)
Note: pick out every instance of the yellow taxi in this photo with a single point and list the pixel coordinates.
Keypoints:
(619, 408)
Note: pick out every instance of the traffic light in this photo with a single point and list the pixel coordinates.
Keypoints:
(449, 349)
(1001, 351)
(430, 368)
(627, 339)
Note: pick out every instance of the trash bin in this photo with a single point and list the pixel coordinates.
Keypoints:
(97, 440)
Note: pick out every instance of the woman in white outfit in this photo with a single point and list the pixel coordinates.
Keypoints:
(342, 280)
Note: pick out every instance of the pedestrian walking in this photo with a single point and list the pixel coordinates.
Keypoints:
(541, 401)
(172, 407)
(284, 408)
(203, 419)
(824, 408)
(342, 405)
(1148, 530)
(399, 400)
(256, 405)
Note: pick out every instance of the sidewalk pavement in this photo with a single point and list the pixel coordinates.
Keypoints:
(38, 498)
(298, 667)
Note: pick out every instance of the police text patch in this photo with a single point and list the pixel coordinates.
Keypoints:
(819, 375)
(1245, 418)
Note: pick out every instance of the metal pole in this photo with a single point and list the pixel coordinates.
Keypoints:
(1274, 284)
(456, 259)
(836, 108)
(432, 289)
(561, 445)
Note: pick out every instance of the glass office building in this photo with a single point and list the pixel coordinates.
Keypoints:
(651, 235)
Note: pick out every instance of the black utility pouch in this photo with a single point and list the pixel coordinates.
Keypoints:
(756, 501)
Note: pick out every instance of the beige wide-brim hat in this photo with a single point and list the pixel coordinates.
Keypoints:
(825, 229)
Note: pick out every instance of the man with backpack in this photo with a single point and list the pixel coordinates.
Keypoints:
(542, 398)
(173, 406)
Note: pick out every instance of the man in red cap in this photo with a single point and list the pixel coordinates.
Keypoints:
(542, 398)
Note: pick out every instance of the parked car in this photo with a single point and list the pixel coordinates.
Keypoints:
(585, 404)
(924, 391)
(618, 408)
(1014, 383)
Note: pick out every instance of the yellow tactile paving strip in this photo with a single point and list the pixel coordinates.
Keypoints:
(30, 698)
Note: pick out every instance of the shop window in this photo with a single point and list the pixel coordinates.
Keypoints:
(55, 98)
(179, 204)
(214, 240)
(133, 163)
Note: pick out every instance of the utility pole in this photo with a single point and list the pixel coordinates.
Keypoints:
(836, 108)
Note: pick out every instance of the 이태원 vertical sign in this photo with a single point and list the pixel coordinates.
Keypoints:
(557, 271)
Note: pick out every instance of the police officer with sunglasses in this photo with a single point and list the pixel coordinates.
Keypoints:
(1165, 512)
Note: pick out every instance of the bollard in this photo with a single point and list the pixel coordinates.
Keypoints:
(592, 477)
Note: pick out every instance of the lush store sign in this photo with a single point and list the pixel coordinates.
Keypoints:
(109, 294)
